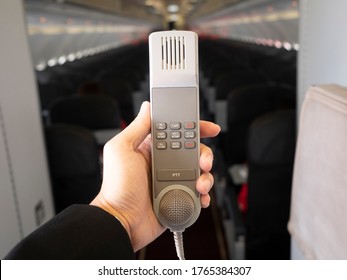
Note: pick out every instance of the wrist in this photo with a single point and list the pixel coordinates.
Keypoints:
(101, 203)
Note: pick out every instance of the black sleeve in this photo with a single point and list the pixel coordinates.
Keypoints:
(79, 232)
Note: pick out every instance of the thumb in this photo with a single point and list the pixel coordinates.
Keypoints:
(139, 128)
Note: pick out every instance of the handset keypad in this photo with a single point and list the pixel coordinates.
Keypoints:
(175, 135)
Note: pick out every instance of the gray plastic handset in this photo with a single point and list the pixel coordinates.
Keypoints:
(175, 156)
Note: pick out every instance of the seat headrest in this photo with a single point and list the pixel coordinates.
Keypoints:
(271, 138)
(318, 204)
(248, 102)
(93, 112)
(72, 151)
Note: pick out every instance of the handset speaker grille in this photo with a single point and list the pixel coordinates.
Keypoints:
(173, 53)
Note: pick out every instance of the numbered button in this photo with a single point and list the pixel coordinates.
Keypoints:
(161, 145)
(175, 145)
(160, 125)
(175, 134)
(189, 134)
(161, 135)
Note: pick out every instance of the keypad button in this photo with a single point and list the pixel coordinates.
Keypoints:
(175, 125)
(175, 135)
(189, 144)
(175, 145)
(189, 125)
(161, 145)
(161, 135)
(189, 134)
(160, 125)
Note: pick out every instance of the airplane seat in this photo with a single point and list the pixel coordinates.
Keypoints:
(140, 62)
(47, 76)
(214, 52)
(318, 223)
(260, 55)
(132, 75)
(70, 78)
(48, 94)
(244, 105)
(289, 76)
(121, 90)
(210, 53)
(270, 159)
(90, 88)
(225, 83)
(214, 71)
(228, 80)
(207, 61)
(280, 70)
(204, 111)
(75, 170)
(128, 57)
(100, 114)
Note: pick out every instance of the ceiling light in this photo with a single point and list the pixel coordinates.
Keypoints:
(173, 8)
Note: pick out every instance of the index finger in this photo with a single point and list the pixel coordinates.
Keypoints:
(209, 129)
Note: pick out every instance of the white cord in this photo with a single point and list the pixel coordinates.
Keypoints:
(178, 237)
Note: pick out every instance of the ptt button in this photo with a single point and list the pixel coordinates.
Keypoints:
(176, 174)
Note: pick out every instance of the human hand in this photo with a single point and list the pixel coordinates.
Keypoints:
(125, 191)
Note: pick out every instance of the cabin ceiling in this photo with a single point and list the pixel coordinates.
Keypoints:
(158, 11)
(161, 12)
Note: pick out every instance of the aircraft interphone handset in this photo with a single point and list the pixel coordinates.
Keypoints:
(174, 91)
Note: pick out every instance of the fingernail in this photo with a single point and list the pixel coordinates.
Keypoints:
(142, 106)
(207, 185)
(209, 157)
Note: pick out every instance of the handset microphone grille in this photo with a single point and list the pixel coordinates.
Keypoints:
(176, 207)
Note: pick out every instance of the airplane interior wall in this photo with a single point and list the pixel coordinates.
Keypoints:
(25, 192)
(322, 58)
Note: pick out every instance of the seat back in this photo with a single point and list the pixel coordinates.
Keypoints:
(271, 149)
(122, 91)
(318, 223)
(98, 113)
(244, 105)
(74, 164)
(49, 93)
(227, 82)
